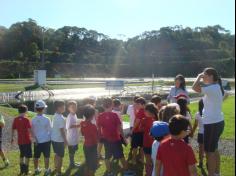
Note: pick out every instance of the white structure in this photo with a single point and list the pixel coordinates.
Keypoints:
(40, 77)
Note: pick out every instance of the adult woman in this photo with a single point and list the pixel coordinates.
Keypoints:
(213, 119)
(179, 88)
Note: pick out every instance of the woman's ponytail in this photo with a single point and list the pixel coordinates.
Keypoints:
(221, 85)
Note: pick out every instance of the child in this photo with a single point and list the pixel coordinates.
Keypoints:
(109, 126)
(22, 125)
(2, 154)
(169, 111)
(58, 137)
(179, 88)
(198, 122)
(100, 110)
(184, 111)
(90, 133)
(151, 116)
(131, 111)
(157, 101)
(174, 155)
(137, 136)
(117, 108)
(72, 132)
(159, 131)
(41, 127)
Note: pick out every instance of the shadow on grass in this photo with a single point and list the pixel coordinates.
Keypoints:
(117, 170)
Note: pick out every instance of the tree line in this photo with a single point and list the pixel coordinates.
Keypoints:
(78, 52)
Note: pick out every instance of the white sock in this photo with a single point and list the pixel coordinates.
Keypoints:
(217, 174)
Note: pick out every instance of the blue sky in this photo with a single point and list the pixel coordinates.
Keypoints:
(114, 17)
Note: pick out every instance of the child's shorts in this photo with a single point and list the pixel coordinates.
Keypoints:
(137, 140)
(113, 149)
(0, 145)
(91, 157)
(147, 150)
(59, 148)
(44, 148)
(25, 151)
(212, 133)
(200, 138)
(72, 149)
(101, 140)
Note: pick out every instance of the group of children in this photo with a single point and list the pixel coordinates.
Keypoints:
(157, 130)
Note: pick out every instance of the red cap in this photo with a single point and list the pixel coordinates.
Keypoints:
(183, 96)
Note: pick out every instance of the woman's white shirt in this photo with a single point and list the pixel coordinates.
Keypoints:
(213, 100)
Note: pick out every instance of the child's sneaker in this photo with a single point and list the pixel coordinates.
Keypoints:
(110, 174)
(47, 172)
(37, 171)
(6, 162)
(129, 173)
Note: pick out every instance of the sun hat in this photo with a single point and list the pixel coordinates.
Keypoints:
(159, 129)
(181, 96)
(40, 104)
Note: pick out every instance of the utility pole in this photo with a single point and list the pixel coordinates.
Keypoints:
(43, 48)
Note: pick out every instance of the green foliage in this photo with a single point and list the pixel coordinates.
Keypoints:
(164, 52)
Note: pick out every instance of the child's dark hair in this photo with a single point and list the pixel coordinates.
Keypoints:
(216, 77)
(159, 139)
(22, 109)
(58, 104)
(107, 103)
(177, 124)
(150, 107)
(90, 101)
(72, 102)
(141, 101)
(168, 113)
(100, 109)
(183, 104)
(136, 97)
(156, 99)
(182, 81)
(39, 109)
(200, 107)
(89, 111)
(116, 103)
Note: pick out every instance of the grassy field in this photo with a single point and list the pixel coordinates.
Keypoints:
(228, 166)
(228, 163)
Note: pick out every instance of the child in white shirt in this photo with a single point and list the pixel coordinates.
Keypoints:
(72, 132)
(159, 131)
(200, 139)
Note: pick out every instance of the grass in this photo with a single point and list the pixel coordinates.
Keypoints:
(227, 163)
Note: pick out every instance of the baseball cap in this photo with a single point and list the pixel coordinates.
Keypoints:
(40, 104)
(159, 129)
(183, 96)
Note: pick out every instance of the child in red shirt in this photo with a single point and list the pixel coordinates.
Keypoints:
(176, 157)
(137, 132)
(109, 126)
(90, 133)
(147, 123)
(22, 125)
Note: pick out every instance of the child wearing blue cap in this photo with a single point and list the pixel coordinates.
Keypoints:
(159, 131)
